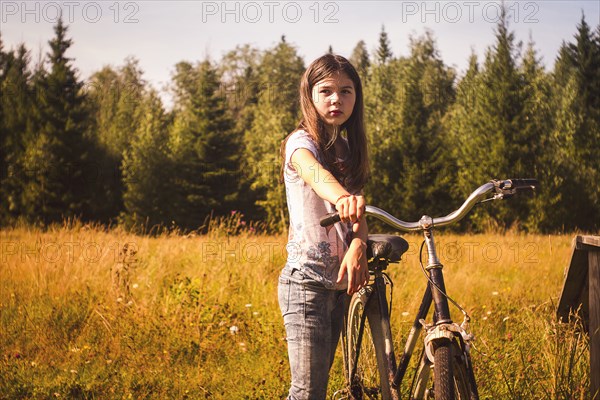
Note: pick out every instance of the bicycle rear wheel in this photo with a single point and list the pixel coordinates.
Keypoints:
(370, 373)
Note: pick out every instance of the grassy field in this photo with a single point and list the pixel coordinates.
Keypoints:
(87, 313)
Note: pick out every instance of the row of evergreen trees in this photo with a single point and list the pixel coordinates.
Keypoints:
(107, 150)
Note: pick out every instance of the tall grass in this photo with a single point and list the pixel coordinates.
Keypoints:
(104, 314)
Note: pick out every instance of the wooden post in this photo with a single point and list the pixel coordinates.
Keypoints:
(594, 281)
(581, 292)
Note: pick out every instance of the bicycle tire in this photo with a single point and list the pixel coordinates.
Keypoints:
(373, 369)
(443, 371)
(452, 379)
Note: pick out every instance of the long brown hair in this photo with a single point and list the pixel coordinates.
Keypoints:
(353, 171)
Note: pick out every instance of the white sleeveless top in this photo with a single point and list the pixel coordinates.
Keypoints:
(316, 251)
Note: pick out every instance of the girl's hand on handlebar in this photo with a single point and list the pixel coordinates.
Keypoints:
(350, 207)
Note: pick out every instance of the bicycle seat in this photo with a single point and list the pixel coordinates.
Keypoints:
(389, 247)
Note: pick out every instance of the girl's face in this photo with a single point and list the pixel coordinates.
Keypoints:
(334, 99)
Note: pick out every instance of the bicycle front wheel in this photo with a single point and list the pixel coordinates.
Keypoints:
(452, 378)
(370, 363)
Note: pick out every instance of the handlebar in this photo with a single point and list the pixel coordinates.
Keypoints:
(501, 189)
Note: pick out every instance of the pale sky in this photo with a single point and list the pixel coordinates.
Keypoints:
(161, 33)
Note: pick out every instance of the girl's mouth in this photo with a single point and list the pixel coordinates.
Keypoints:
(335, 113)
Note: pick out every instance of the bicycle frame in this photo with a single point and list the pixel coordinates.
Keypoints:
(442, 327)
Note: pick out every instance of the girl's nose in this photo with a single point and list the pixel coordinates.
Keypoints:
(334, 98)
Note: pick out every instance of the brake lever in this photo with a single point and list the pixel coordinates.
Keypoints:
(501, 195)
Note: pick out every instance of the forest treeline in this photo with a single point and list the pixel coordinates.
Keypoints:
(107, 150)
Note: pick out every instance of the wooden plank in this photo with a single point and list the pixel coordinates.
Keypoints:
(588, 241)
(574, 294)
(594, 322)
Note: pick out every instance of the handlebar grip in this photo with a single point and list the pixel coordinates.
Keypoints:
(525, 184)
(330, 219)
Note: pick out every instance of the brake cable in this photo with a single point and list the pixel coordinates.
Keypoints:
(450, 299)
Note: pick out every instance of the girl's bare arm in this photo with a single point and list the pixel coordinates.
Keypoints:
(350, 207)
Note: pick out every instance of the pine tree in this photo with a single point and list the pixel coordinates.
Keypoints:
(239, 72)
(382, 122)
(576, 136)
(275, 115)
(535, 135)
(408, 151)
(494, 136)
(584, 57)
(59, 152)
(384, 52)
(206, 150)
(6, 147)
(148, 170)
(4, 65)
(15, 105)
(360, 60)
(383, 125)
(457, 123)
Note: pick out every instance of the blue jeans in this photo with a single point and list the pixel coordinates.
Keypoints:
(313, 317)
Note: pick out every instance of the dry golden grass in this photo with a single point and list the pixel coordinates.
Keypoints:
(96, 314)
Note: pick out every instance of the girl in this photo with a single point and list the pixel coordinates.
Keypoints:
(325, 168)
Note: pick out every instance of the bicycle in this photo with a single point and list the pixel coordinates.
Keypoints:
(370, 364)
